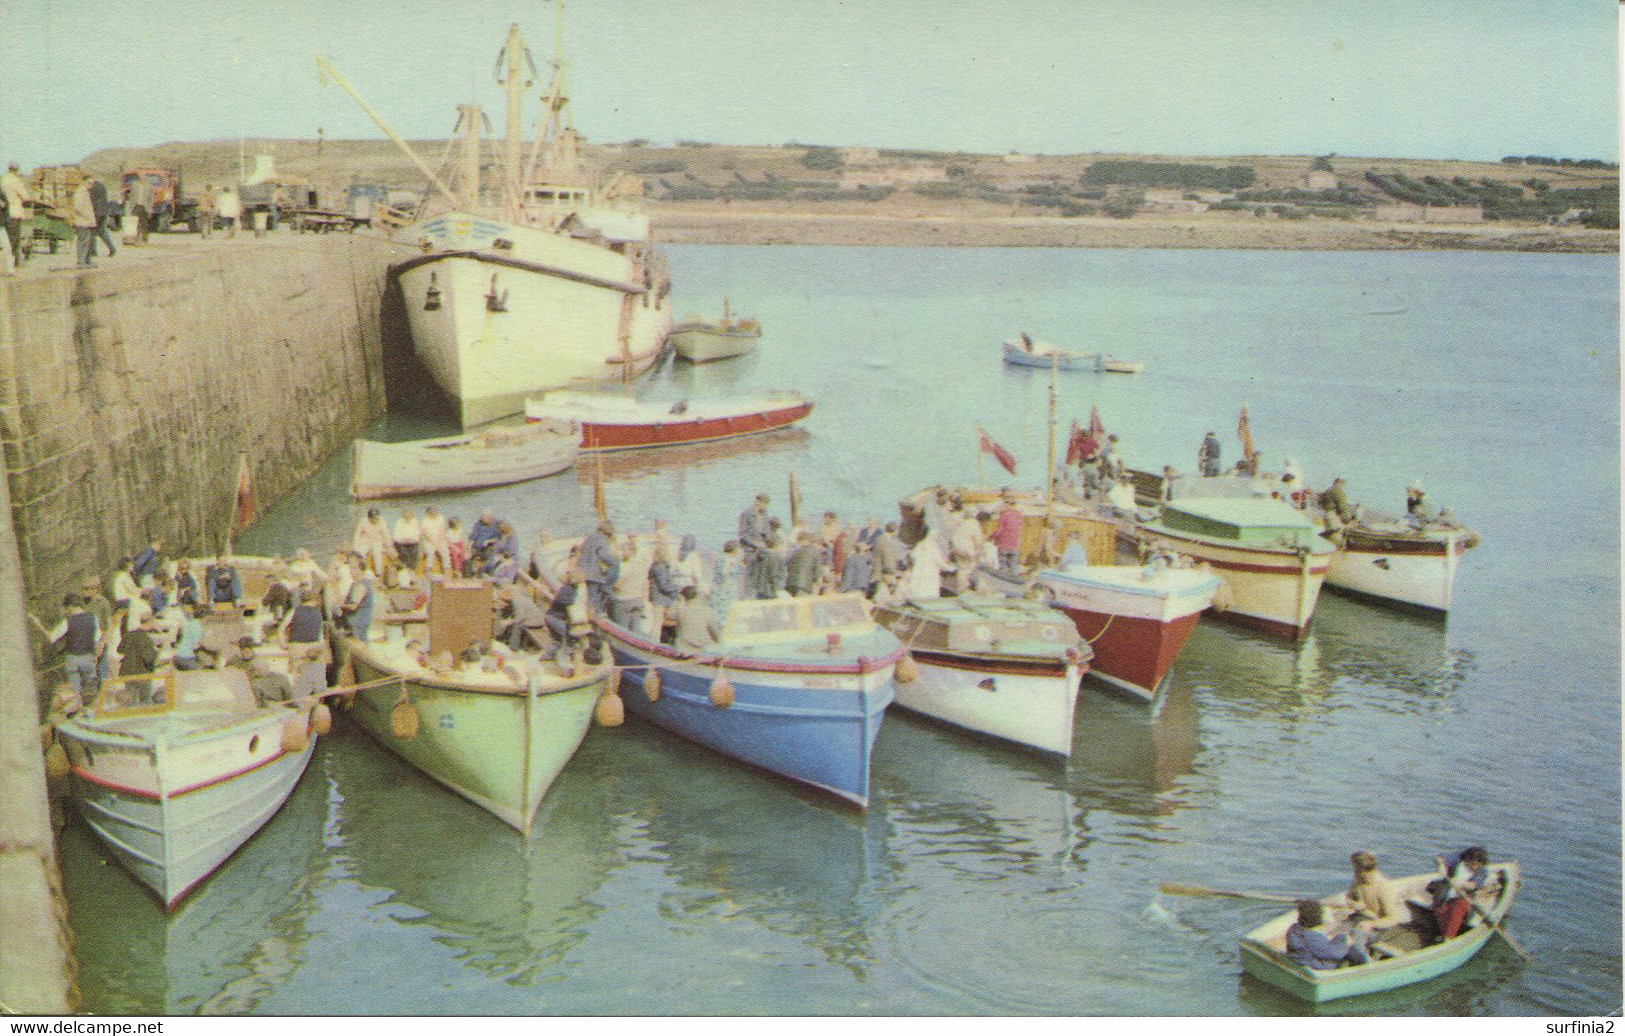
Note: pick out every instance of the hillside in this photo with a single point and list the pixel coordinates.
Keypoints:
(1338, 200)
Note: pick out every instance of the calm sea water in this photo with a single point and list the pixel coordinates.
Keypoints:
(661, 879)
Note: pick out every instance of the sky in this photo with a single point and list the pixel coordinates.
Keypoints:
(1468, 79)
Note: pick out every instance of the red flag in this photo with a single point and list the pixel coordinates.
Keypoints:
(245, 493)
(1000, 454)
(1245, 431)
(1096, 430)
(1074, 444)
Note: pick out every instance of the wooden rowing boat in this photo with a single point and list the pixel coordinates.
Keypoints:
(616, 422)
(1042, 354)
(496, 732)
(494, 457)
(1004, 667)
(1404, 955)
(807, 683)
(174, 771)
(700, 341)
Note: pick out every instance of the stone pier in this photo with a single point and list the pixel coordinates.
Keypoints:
(131, 397)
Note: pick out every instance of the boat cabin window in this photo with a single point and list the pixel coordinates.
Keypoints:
(800, 615)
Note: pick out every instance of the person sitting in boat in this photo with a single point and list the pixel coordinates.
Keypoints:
(1310, 941)
(125, 588)
(501, 567)
(1027, 341)
(190, 640)
(457, 547)
(557, 617)
(1335, 502)
(186, 588)
(304, 570)
(1463, 875)
(485, 531)
(889, 550)
(521, 617)
(407, 536)
(805, 566)
(1416, 505)
(695, 628)
(223, 583)
(766, 574)
(303, 624)
(1372, 897)
(374, 542)
(279, 597)
(1292, 483)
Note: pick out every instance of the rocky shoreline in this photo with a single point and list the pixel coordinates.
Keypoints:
(683, 224)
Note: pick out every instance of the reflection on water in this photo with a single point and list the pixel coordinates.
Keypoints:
(228, 944)
(511, 909)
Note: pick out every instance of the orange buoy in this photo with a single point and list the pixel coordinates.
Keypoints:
(722, 692)
(651, 684)
(56, 761)
(321, 718)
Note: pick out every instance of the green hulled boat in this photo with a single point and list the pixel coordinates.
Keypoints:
(496, 737)
(1405, 955)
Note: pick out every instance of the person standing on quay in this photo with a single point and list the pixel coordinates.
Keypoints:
(230, 207)
(17, 200)
(104, 216)
(84, 224)
(206, 212)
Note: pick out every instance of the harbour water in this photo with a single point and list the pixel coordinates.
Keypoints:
(661, 879)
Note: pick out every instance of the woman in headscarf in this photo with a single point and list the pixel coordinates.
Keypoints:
(690, 567)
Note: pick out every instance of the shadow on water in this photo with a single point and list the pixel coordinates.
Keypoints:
(228, 946)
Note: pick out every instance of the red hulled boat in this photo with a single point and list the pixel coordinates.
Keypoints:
(616, 422)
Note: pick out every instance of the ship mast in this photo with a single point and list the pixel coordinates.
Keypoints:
(516, 57)
(555, 133)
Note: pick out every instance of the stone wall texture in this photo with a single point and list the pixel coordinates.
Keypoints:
(127, 393)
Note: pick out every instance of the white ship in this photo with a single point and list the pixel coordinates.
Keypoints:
(542, 279)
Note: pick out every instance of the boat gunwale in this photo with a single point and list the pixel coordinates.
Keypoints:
(561, 684)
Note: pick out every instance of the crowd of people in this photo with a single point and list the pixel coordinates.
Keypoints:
(94, 213)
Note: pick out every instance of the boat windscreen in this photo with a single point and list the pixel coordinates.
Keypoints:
(796, 615)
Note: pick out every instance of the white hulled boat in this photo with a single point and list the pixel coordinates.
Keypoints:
(542, 280)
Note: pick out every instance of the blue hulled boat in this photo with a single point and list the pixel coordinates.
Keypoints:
(796, 686)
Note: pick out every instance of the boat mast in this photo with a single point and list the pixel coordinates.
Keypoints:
(470, 120)
(324, 69)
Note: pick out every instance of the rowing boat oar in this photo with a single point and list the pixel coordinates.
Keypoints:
(1495, 926)
(1173, 888)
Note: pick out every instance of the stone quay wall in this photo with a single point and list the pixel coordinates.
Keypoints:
(127, 393)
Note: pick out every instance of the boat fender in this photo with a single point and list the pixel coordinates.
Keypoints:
(321, 718)
(651, 684)
(294, 735)
(907, 669)
(56, 761)
(1224, 596)
(722, 693)
(403, 719)
(610, 710)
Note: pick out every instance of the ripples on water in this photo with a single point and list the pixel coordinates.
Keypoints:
(662, 879)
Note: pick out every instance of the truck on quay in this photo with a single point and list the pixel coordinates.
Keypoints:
(169, 206)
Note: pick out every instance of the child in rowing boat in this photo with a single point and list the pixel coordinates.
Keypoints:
(1309, 941)
(1372, 898)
